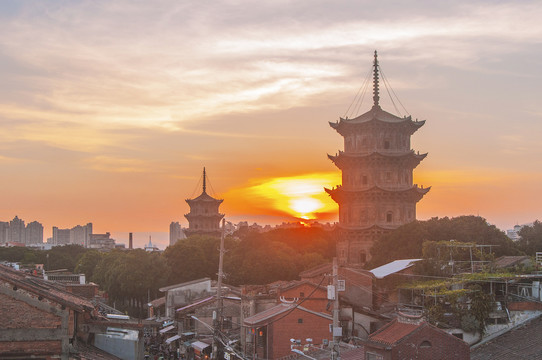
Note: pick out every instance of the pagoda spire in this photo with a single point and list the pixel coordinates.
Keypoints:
(204, 181)
(376, 98)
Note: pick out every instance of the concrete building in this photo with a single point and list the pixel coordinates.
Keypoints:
(4, 228)
(77, 235)
(16, 232)
(204, 218)
(377, 192)
(61, 236)
(101, 241)
(176, 233)
(81, 234)
(185, 293)
(34, 233)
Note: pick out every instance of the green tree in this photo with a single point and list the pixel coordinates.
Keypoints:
(65, 257)
(88, 262)
(407, 241)
(531, 238)
(187, 260)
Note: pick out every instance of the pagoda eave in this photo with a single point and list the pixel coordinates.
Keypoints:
(357, 159)
(340, 195)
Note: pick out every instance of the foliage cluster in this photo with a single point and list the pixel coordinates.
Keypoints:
(531, 238)
(407, 242)
(466, 307)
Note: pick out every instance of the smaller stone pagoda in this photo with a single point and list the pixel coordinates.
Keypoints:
(204, 218)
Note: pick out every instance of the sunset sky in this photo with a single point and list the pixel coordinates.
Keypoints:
(109, 110)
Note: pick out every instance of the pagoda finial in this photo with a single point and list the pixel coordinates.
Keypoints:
(376, 98)
(204, 181)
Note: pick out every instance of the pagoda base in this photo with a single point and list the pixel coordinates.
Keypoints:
(354, 246)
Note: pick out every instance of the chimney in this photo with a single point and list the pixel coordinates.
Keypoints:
(130, 241)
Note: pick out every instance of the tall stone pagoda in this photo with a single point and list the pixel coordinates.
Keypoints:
(377, 192)
(204, 217)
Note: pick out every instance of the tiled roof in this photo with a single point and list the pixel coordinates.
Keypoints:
(158, 302)
(393, 332)
(505, 261)
(295, 283)
(317, 270)
(48, 289)
(166, 288)
(353, 354)
(278, 310)
(524, 342)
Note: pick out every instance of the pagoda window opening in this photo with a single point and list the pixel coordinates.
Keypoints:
(386, 144)
(362, 257)
(364, 180)
(389, 217)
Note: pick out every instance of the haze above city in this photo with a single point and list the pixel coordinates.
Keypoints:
(110, 110)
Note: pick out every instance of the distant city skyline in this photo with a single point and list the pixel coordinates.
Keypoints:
(109, 110)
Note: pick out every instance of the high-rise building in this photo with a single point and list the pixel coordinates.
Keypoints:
(4, 229)
(204, 217)
(377, 193)
(80, 235)
(34, 233)
(77, 235)
(61, 236)
(16, 232)
(176, 233)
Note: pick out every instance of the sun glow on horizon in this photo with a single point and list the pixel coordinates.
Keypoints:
(301, 196)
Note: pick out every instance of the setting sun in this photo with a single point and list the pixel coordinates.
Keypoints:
(301, 196)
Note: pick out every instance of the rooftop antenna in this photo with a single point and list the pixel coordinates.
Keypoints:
(376, 98)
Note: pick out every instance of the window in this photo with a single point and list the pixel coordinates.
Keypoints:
(373, 356)
(362, 257)
(386, 144)
(425, 344)
(389, 217)
(300, 321)
(364, 180)
(227, 323)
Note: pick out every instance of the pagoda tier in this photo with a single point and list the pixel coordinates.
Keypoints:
(373, 118)
(347, 160)
(342, 196)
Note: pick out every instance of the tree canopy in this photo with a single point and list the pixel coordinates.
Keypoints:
(531, 238)
(407, 241)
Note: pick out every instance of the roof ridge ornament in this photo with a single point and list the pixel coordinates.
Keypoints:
(376, 97)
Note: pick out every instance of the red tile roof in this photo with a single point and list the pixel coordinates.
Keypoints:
(277, 310)
(47, 289)
(394, 332)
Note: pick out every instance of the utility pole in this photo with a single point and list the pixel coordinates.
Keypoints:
(217, 323)
(337, 330)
